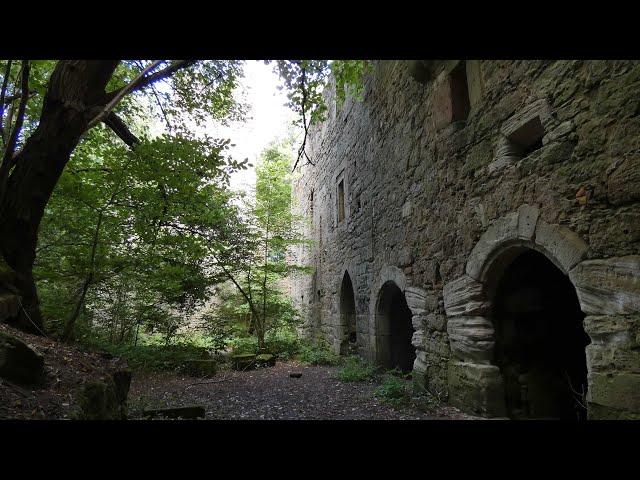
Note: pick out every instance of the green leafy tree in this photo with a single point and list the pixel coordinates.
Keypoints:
(258, 266)
(48, 109)
(115, 234)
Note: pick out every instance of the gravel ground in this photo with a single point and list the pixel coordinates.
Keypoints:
(270, 394)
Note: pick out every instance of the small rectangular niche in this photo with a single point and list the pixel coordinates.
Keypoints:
(340, 199)
(528, 137)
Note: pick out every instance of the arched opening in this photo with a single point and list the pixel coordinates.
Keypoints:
(348, 316)
(540, 340)
(394, 329)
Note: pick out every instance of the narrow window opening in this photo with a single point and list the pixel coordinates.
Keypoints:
(460, 104)
(340, 201)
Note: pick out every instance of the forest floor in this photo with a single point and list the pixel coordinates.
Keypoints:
(66, 368)
(271, 394)
(262, 394)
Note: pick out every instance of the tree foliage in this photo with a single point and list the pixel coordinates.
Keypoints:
(269, 229)
(116, 234)
(127, 229)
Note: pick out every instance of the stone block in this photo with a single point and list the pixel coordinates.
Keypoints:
(565, 247)
(243, 361)
(608, 287)
(416, 298)
(200, 368)
(464, 296)
(442, 108)
(600, 412)
(266, 360)
(613, 329)
(19, 362)
(623, 183)
(612, 357)
(179, 412)
(620, 391)
(471, 338)
(474, 81)
(503, 229)
(418, 338)
(539, 108)
(527, 221)
(436, 322)
(9, 305)
(476, 389)
(105, 398)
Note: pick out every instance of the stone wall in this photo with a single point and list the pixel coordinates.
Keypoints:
(539, 154)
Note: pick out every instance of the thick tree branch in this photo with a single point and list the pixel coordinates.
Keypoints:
(302, 152)
(111, 104)
(158, 101)
(141, 81)
(13, 98)
(118, 126)
(8, 157)
(3, 92)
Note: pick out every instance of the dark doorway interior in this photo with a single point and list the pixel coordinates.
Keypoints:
(540, 340)
(394, 329)
(348, 316)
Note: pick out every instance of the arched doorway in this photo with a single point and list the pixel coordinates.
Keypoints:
(348, 344)
(539, 337)
(394, 329)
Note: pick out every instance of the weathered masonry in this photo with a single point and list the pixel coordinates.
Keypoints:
(478, 223)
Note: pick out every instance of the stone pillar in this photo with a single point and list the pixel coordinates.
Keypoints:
(475, 385)
(609, 293)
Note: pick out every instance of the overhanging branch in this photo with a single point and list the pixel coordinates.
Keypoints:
(118, 126)
(142, 81)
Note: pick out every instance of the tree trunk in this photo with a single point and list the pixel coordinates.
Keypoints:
(76, 89)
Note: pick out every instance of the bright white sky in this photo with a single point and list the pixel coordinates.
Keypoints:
(267, 119)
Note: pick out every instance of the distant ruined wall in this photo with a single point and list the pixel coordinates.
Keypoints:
(435, 184)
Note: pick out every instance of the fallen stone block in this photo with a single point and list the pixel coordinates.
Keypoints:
(266, 360)
(200, 368)
(19, 362)
(243, 361)
(178, 412)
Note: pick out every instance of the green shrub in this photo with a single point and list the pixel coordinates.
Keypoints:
(155, 357)
(283, 344)
(393, 389)
(319, 354)
(241, 345)
(356, 369)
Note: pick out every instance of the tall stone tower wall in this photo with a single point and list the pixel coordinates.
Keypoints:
(443, 176)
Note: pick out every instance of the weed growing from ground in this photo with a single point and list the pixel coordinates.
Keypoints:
(356, 369)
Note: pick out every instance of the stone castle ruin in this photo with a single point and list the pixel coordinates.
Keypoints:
(478, 224)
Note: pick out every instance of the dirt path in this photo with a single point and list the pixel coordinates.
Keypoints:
(270, 393)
